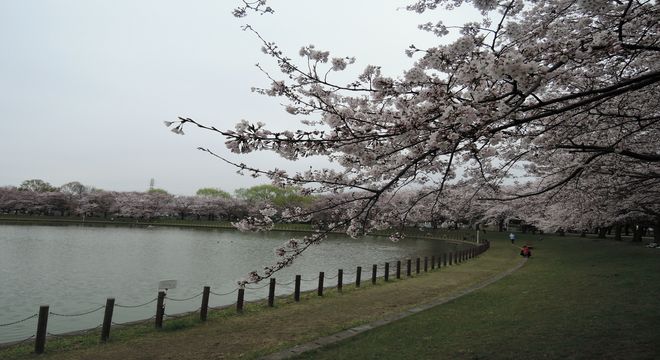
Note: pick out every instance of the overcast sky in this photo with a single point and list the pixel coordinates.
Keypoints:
(85, 85)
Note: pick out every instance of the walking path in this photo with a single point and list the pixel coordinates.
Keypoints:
(337, 337)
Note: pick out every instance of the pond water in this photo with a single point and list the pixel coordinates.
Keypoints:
(73, 269)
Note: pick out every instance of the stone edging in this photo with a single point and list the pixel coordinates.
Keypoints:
(337, 337)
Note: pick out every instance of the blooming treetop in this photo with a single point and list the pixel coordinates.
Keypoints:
(557, 91)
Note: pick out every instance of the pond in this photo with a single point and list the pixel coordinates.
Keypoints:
(73, 269)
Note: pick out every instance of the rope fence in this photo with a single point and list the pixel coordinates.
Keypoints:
(80, 314)
(224, 294)
(286, 284)
(186, 299)
(414, 265)
(20, 321)
(256, 288)
(136, 306)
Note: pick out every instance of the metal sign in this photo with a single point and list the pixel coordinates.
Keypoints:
(166, 284)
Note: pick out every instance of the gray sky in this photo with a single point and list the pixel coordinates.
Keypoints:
(85, 85)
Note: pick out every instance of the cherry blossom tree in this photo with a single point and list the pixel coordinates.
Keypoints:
(554, 91)
(9, 197)
(551, 91)
(97, 203)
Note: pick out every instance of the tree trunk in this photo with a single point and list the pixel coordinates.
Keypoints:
(500, 225)
(627, 229)
(637, 234)
(617, 232)
(602, 232)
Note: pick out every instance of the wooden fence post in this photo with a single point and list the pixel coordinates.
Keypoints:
(444, 260)
(204, 310)
(240, 300)
(451, 258)
(271, 292)
(417, 265)
(107, 319)
(42, 326)
(387, 271)
(340, 279)
(374, 273)
(160, 309)
(320, 288)
(358, 276)
(408, 267)
(398, 269)
(296, 292)
(426, 264)
(432, 262)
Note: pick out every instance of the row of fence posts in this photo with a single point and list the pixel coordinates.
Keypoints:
(446, 259)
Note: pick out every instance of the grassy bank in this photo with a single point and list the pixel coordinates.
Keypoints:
(575, 299)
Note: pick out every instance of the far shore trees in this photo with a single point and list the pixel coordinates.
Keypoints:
(77, 199)
(213, 192)
(278, 196)
(36, 185)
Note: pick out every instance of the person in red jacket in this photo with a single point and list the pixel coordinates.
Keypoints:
(525, 251)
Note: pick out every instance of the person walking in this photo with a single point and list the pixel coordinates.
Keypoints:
(512, 237)
(525, 251)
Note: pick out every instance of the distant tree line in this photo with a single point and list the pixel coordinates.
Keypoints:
(38, 197)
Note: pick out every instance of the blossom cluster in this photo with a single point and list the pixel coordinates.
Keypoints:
(545, 95)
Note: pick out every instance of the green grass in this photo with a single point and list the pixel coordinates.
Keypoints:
(575, 299)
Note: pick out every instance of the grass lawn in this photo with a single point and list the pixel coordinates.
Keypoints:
(575, 299)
